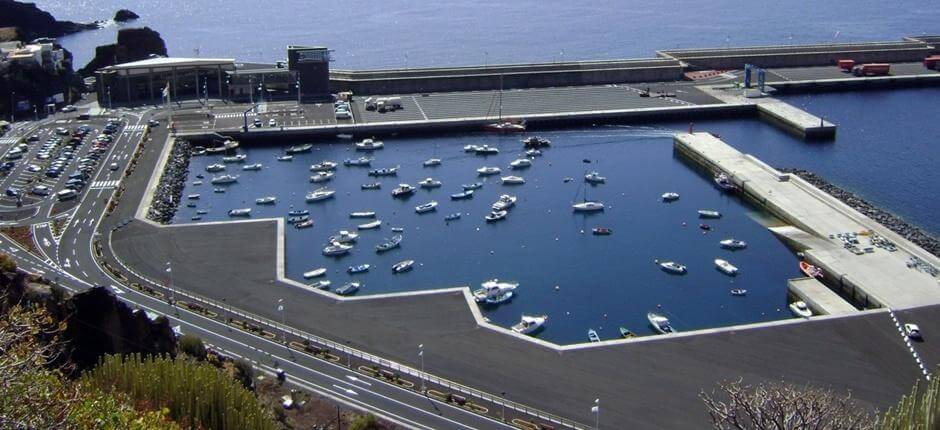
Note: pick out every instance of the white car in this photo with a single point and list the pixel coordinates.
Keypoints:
(912, 331)
(41, 190)
(272, 122)
(33, 168)
(68, 108)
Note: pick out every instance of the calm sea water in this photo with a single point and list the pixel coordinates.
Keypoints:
(401, 33)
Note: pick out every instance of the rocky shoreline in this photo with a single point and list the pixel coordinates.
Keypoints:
(166, 198)
(916, 235)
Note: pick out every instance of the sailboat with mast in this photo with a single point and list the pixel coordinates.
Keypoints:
(586, 205)
(501, 125)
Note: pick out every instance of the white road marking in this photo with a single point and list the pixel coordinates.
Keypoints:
(346, 390)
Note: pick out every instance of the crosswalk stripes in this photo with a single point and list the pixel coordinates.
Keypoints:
(105, 184)
(8, 140)
(228, 115)
(138, 127)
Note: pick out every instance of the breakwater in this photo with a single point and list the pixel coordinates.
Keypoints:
(169, 190)
(883, 217)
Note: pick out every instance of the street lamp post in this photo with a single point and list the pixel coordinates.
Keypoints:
(12, 106)
(503, 402)
(421, 354)
(597, 413)
(280, 307)
(298, 92)
(110, 107)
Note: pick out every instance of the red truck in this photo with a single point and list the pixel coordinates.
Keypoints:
(846, 65)
(871, 69)
(932, 61)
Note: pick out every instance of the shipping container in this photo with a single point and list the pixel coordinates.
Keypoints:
(872, 69)
(846, 65)
(932, 61)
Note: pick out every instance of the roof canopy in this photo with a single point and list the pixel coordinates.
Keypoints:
(172, 62)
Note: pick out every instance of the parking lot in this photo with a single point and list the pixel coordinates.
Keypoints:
(283, 114)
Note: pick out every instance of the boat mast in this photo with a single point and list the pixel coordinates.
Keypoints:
(500, 98)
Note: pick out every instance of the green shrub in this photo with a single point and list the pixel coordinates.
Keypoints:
(244, 373)
(192, 346)
(364, 422)
(7, 264)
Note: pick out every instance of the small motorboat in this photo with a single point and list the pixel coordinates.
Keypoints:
(733, 244)
(493, 288)
(535, 142)
(297, 219)
(370, 225)
(403, 266)
(361, 161)
(285, 158)
(321, 177)
(298, 212)
(520, 163)
(495, 216)
(660, 323)
(240, 212)
(461, 196)
(533, 153)
(505, 202)
(738, 292)
(530, 324)
(323, 166)
(252, 167)
(202, 211)
(403, 190)
(499, 298)
(670, 197)
(368, 214)
(319, 195)
(431, 162)
(601, 231)
(213, 168)
(197, 182)
(372, 186)
(348, 289)
(704, 226)
(315, 273)
(725, 267)
(321, 285)
(196, 218)
(486, 150)
(810, 270)
(193, 197)
(473, 186)
(385, 171)
(673, 267)
(398, 229)
(800, 309)
(224, 180)
(706, 213)
(723, 182)
(307, 223)
(488, 170)
(595, 178)
(344, 236)
(512, 180)
(592, 336)
(240, 158)
(190, 205)
(369, 145)
(427, 207)
(267, 200)
(452, 217)
(362, 268)
(218, 190)
(337, 249)
(588, 206)
(626, 333)
(429, 183)
(471, 148)
(388, 244)
(300, 148)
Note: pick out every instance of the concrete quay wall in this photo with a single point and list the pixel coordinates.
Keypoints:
(799, 55)
(855, 83)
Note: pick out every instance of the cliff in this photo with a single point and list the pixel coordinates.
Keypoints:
(132, 44)
(30, 22)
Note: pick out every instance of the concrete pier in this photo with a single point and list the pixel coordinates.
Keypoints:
(876, 278)
(819, 297)
(793, 119)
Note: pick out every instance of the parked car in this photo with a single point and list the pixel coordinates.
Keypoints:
(41, 190)
(68, 108)
(153, 123)
(912, 331)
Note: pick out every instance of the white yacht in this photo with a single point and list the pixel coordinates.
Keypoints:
(473, 186)
(319, 194)
(660, 323)
(371, 186)
(520, 163)
(505, 202)
(533, 153)
(315, 273)
(300, 148)
(321, 285)
(800, 309)
(240, 158)
(193, 197)
(369, 144)
(726, 267)
(673, 267)
(429, 183)
(361, 161)
(285, 158)
(403, 266)
(493, 288)
(512, 180)
(486, 150)
(487, 171)
(337, 249)
(370, 225)
(224, 179)
(389, 244)
(431, 162)
(733, 244)
(461, 196)
(307, 223)
(670, 197)
(385, 171)
(321, 177)
(595, 178)
(240, 212)
(252, 167)
(403, 190)
(213, 168)
(344, 236)
(267, 200)
(530, 324)
(471, 148)
(588, 206)
(704, 213)
(323, 166)
(427, 207)
(495, 216)
(366, 214)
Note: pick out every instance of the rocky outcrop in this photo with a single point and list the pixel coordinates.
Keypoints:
(883, 217)
(169, 192)
(125, 15)
(132, 44)
(32, 23)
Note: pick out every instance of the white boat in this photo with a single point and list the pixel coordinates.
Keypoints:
(403, 190)
(704, 213)
(240, 158)
(323, 166)
(388, 244)
(452, 217)
(298, 212)
(505, 127)
(361, 161)
(530, 324)
(520, 163)
(535, 142)
(493, 288)
(595, 178)
(738, 292)
(213, 168)
(372, 186)
(403, 266)
(307, 223)
(429, 183)
(726, 267)
(253, 167)
(337, 249)
(344, 236)
(588, 206)
(473, 186)
(733, 244)
(224, 179)
(369, 145)
(385, 171)
(471, 148)
(297, 219)
(240, 212)
(723, 182)
(321, 285)
(487, 171)
(300, 148)
(533, 153)
(321, 177)
(486, 150)
(592, 336)
(348, 289)
(369, 214)
(800, 309)
(512, 180)
(500, 299)
(193, 197)
(495, 216)
(504, 202)
(673, 267)
(660, 323)
(670, 197)
(315, 273)
(398, 229)
(267, 200)
(427, 207)
(460, 196)
(319, 194)
(370, 225)
(362, 268)
(285, 158)
(431, 162)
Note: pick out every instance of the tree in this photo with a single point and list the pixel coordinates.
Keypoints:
(7, 264)
(782, 406)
